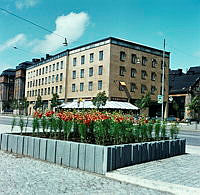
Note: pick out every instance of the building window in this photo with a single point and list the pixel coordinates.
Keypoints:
(45, 80)
(82, 73)
(100, 55)
(74, 61)
(60, 89)
(52, 90)
(61, 76)
(49, 68)
(121, 86)
(38, 92)
(133, 72)
(153, 76)
(49, 80)
(27, 93)
(90, 72)
(73, 74)
(48, 90)
(53, 78)
(28, 84)
(132, 87)
(53, 67)
(36, 82)
(45, 91)
(46, 69)
(61, 65)
(144, 61)
(100, 85)
(56, 89)
(42, 81)
(143, 74)
(154, 63)
(41, 91)
(40, 71)
(161, 65)
(32, 93)
(92, 57)
(57, 77)
(36, 72)
(81, 86)
(122, 70)
(33, 83)
(73, 87)
(122, 55)
(39, 82)
(153, 89)
(133, 58)
(82, 59)
(57, 66)
(100, 70)
(43, 70)
(90, 85)
(143, 88)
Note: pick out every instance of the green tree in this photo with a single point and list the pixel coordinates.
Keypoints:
(55, 100)
(144, 102)
(38, 103)
(14, 104)
(195, 105)
(100, 99)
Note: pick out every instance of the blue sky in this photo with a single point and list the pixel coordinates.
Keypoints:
(82, 21)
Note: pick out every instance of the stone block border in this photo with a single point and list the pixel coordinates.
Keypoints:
(90, 157)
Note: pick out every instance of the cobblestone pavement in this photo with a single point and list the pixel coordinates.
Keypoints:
(182, 170)
(22, 175)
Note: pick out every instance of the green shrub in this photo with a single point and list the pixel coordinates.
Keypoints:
(157, 130)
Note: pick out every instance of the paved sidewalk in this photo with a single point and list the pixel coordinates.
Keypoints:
(22, 175)
(178, 175)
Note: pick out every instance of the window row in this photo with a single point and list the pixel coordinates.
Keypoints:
(91, 58)
(90, 86)
(133, 73)
(133, 88)
(90, 73)
(45, 91)
(47, 69)
(46, 80)
(136, 60)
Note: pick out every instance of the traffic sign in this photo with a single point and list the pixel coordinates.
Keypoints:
(160, 99)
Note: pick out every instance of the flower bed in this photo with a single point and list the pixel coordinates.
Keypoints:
(100, 128)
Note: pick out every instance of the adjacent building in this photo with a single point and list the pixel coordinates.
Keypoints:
(182, 88)
(6, 89)
(125, 70)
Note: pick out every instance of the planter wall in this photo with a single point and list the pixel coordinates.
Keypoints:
(89, 157)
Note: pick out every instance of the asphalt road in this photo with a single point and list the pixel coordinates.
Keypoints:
(192, 137)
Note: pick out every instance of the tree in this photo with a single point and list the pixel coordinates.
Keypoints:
(195, 105)
(14, 104)
(38, 103)
(55, 100)
(144, 102)
(100, 99)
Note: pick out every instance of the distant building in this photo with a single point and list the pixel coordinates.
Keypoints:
(125, 70)
(6, 89)
(182, 88)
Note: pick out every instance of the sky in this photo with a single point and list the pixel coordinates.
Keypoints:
(146, 22)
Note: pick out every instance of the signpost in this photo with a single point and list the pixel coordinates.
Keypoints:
(160, 99)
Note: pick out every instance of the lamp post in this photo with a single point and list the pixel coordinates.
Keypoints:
(163, 81)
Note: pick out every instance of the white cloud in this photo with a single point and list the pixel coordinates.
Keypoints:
(17, 40)
(71, 26)
(20, 4)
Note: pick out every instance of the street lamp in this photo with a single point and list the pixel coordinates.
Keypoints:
(163, 81)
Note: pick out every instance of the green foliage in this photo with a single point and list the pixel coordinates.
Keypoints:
(195, 105)
(163, 130)
(67, 126)
(174, 130)
(55, 100)
(14, 104)
(100, 99)
(35, 126)
(54, 126)
(21, 124)
(26, 125)
(149, 129)
(13, 124)
(60, 126)
(82, 131)
(144, 102)
(38, 103)
(44, 124)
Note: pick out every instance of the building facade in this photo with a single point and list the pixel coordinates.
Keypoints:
(126, 71)
(6, 89)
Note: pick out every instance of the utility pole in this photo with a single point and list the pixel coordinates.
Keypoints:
(163, 81)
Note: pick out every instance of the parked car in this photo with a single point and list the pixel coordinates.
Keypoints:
(171, 119)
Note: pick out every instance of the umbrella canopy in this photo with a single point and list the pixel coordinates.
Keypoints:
(109, 105)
